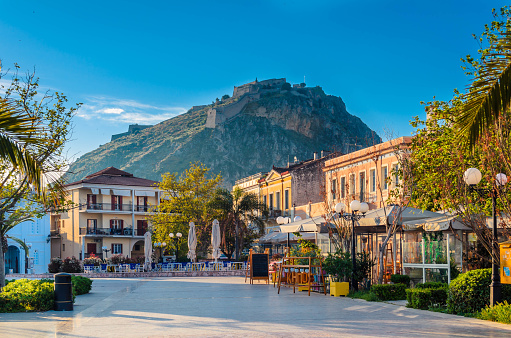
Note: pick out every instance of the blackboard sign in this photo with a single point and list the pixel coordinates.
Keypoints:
(259, 266)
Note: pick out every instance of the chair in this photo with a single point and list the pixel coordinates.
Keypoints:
(88, 268)
(165, 267)
(103, 267)
(133, 267)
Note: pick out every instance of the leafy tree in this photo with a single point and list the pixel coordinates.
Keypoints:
(286, 86)
(33, 130)
(240, 219)
(225, 97)
(185, 199)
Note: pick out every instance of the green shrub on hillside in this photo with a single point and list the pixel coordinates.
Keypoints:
(389, 291)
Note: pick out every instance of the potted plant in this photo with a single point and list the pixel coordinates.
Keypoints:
(338, 266)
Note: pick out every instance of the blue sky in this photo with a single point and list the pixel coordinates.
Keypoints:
(146, 61)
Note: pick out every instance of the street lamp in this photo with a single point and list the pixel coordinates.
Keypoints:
(105, 249)
(160, 245)
(472, 177)
(355, 207)
(176, 238)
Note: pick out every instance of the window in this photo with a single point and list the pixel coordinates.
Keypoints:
(362, 184)
(92, 202)
(92, 226)
(277, 198)
(264, 200)
(36, 258)
(116, 248)
(352, 184)
(116, 226)
(286, 199)
(116, 202)
(142, 203)
(35, 227)
(372, 180)
(343, 187)
(334, 189)
(395, 172)
(384, 175)
(63, 247)
(271, 201)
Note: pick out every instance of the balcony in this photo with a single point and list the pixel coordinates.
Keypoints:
(276, 213)
(55, 233)
(112, 232)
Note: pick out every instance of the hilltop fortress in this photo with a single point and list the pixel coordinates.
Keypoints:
(225, 110)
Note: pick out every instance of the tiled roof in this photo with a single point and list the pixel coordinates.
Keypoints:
(114, 176)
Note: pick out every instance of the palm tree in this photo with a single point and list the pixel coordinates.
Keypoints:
(240, 214)
(17, 130)
(489, 94)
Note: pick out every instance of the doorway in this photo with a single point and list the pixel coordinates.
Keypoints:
(12, 259)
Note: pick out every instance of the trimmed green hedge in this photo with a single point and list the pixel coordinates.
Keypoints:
(36, 295)
(389, 291)
(422, 298)
(431, 285)
(499, 313)
(400, 279)
(27, 295)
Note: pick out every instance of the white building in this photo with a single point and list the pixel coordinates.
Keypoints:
(36, 235)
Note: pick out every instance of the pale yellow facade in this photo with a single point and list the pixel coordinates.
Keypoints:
(361, 175)
(111, 216)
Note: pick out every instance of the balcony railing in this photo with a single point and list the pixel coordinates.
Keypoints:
(113, 231)
(110, 207)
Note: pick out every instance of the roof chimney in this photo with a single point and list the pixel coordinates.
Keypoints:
(315, 155)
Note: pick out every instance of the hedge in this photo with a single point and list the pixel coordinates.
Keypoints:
(389, 291)
(431, 285)
(421, 298)
(27, 295)
(400, 279)
(470, 292)
(36, 295)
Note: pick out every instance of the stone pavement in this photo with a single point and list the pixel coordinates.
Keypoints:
(226, 306)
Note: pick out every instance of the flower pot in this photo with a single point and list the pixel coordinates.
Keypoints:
(339, 288)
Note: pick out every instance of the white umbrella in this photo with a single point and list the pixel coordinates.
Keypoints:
(215, 240)
(148, 250)
(192, 243)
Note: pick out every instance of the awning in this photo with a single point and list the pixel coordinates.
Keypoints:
(440, 223)
(378, 217)
(279, 237)
(305, 225)
(144, 193)
(121, 192)
(95, 191)
(105, 191)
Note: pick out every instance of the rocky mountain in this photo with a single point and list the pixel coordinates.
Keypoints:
(263, 124)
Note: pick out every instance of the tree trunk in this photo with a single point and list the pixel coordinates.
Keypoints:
(2, 267)
(383, 248)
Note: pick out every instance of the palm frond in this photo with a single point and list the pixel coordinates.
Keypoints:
(490, 92)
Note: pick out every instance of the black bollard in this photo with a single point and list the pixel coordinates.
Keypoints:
(63, 292)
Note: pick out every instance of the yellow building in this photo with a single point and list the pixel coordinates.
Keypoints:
(109, 216)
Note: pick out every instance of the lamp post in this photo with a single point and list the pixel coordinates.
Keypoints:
(472, 177)
(105, 249)
(161, 246)
(176, 238)
(355, 207)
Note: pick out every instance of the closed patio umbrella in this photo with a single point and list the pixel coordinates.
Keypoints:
(192, 243)
(215, 240)
(148, 250)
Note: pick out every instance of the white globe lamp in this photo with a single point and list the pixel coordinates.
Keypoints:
(340, 207)
(472, 176)
(501, 179)
(364, 207)
(355, 205)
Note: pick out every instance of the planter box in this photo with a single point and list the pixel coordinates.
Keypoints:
(339, 288)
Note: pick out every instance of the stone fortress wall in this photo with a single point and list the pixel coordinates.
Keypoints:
(241, 96)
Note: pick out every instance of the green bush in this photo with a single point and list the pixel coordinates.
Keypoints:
(470, 292)
(424, 298)
(400, 279)
(431, 285)
(81, 285)
(499, 313)
(71, 265)
(389, 291)
(27, 295)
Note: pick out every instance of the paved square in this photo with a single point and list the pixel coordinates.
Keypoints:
(226, 306)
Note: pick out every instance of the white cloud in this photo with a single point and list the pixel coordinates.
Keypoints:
(125, 111)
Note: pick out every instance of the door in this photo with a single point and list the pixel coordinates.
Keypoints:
(91, 248)
(142, 203)
(12, 259)
(116, 202)
(141, 227)
(116, 226)
(91, 202)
